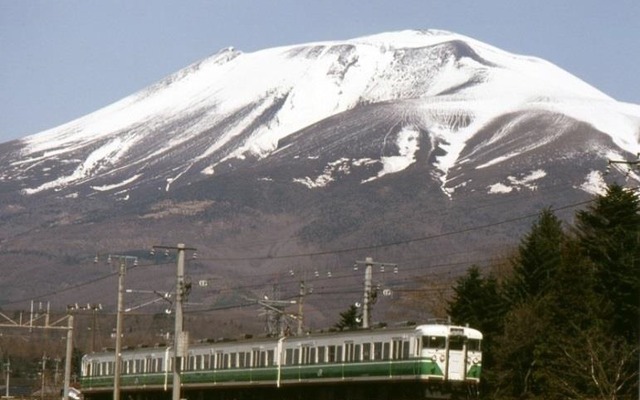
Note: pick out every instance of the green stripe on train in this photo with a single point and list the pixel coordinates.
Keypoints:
(314, 372)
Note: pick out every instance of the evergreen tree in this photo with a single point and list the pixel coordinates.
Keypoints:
(609, 234)
(571, 308)
(537, 260)
(527, 317)
(477, 302)
(518, 365)
(350, 319)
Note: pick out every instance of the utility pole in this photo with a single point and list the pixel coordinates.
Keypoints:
(95, 308)
(367, 299)
(300, 308)
(44, 369)
(180, 337)
(30, 326)
(122, 270)
(7, 371)
(69, 354)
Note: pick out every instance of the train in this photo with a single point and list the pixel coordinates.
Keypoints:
(431, 360)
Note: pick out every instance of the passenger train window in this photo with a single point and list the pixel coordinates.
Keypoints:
(397, 349)
(219, 360)
(191, 363)
(386, 350)
(377, 351)
(348, 352)
(270, 357)
(263, 359)
(322, 354)
(331, 354)
(434, 342)
(456, 342)
(288, 360)
(206, 362)
(366, 351)
(312, 355)
(304, 353)
(473, 345)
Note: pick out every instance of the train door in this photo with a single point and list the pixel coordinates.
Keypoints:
(456, 358)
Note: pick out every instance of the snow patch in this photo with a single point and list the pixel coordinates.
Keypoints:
(105, 188)
(342, 165)
(594, 183)
(408, 145)
(526, 182)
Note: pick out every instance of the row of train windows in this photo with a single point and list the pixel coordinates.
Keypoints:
(306, 354)
(455, 343)
(348, 352)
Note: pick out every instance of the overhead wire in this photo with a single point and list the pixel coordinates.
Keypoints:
(313, 254)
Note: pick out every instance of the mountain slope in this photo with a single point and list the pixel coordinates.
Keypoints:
(413, 146)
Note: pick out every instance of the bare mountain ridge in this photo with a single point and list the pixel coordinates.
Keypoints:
(395, 146)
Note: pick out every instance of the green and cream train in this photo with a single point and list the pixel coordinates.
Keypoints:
(390, 363)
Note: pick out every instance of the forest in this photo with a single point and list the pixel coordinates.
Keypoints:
(562, 320)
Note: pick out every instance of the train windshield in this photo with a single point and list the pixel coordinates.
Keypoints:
(456, 342)
(473, 345)
(434, 342)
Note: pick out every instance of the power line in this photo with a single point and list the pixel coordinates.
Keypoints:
(318, 253)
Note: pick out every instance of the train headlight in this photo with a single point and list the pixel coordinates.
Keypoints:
(475, 360)
(434, 358)
(442, 357)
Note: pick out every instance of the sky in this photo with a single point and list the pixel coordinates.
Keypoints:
(62, 59)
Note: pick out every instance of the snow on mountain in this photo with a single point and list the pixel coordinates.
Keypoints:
(236, 105)
(354, 144)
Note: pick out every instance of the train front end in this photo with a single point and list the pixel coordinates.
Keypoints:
(452, 357)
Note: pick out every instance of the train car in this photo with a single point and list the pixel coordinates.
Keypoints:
(423, 361)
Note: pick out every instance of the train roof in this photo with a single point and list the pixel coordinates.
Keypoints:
(448, 330)
(436, 329)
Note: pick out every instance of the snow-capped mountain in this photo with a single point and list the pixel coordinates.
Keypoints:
(413, 133)
(233, 105)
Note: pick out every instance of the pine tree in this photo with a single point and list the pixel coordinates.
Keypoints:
(537, 260)
(477, 302)
(349, 319)
(527, 317)
(609, 234)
